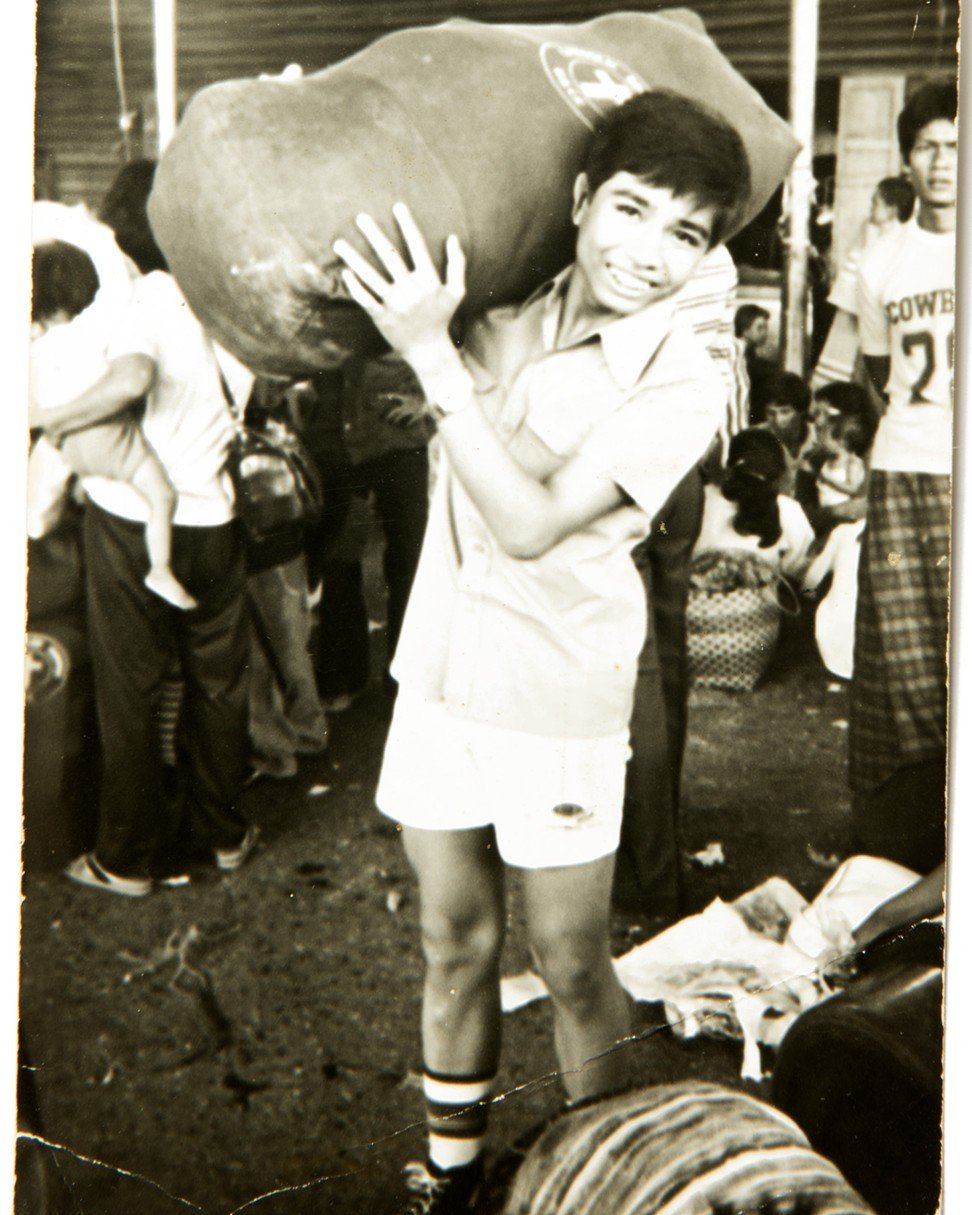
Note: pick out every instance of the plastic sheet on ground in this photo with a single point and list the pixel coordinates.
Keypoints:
(746, 969)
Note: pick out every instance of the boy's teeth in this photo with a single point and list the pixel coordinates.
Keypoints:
(627, 282)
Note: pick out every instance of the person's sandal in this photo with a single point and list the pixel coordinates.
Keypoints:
(86, 871)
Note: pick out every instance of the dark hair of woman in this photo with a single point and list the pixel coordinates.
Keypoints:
(125, 211)
(754, 468)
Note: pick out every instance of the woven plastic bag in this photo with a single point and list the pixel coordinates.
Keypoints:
(732, 619)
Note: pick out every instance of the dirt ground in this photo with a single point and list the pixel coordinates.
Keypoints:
(250, 1041)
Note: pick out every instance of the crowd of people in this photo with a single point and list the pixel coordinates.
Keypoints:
(543, 495)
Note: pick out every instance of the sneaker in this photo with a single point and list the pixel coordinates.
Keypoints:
(449, 1193)
(230, 859)
(86, 870)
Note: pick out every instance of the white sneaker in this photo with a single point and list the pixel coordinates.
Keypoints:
(230, 859)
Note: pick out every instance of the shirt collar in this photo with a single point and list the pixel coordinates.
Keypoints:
(629, 343)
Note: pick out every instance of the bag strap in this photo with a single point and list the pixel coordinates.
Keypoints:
(783, 590)
(235, 412)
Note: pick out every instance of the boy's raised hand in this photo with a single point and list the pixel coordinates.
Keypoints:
(411, 306)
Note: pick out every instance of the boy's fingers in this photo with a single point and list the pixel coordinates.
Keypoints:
(418, 250)
(361, 267)
(358, 292)
(385, 251)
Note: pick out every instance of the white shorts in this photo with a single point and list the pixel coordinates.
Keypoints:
(551, 801)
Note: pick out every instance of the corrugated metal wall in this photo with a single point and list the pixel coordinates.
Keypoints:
(77, 103)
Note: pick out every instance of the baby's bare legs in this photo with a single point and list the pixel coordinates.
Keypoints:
(151, 481)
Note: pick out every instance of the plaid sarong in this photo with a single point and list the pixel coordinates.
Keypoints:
(899, 689)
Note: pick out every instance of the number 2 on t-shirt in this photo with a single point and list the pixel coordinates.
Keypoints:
(924, 341)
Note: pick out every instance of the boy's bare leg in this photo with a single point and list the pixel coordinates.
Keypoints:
(568, 921)
(461, 892)
(156, 489)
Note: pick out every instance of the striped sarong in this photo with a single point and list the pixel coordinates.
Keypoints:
(899, 691)
(677, 1149)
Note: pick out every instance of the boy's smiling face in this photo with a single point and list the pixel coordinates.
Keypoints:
(636, 243)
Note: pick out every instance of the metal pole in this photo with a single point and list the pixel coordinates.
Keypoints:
(164, 33)
(804, 21)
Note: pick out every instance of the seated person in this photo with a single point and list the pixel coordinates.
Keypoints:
(747, 510)
(68, 340)
(787, 405)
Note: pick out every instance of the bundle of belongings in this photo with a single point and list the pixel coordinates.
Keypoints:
(747, 969)
(479, 129)
(678, 1149)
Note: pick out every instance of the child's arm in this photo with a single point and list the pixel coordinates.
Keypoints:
(127, 379)
(824, 478)
(856, 475)
(413, 312)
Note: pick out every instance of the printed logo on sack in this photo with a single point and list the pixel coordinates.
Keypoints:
(589, 82)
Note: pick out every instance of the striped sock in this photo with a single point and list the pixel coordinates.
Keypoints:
(457, 1108)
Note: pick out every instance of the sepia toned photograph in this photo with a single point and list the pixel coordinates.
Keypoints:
(506, 395)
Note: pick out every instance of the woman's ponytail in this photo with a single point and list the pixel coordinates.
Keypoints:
(755, 467)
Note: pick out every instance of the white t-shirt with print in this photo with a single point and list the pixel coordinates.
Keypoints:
(906, 311)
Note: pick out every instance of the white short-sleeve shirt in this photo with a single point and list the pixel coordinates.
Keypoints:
(789, 554)
(550, 645)
(186, 419)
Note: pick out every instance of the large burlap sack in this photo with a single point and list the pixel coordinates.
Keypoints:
(481, 129)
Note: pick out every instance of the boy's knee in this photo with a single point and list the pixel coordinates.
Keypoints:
(572, 967)
(461, 940)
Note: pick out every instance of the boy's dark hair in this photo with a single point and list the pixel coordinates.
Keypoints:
(930, 102)
(125, 211)
(745, 315)
(846, 398)
(854, 431)
(899, 193)
(786, 388)
(64, 280)
(671, 141)
(754, 466)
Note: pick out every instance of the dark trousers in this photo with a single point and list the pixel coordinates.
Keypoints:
(133, 635)
(399, 481)
(647, 875)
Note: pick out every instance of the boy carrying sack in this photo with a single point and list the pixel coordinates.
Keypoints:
(565, 423)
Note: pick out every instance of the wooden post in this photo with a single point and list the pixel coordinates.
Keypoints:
(164, 35)
(798, 198)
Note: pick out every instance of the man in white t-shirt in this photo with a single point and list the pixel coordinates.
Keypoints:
(906, 307)
(160, 351)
